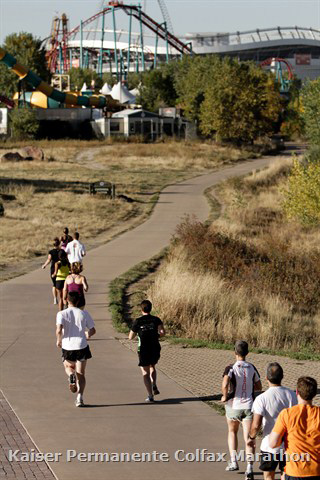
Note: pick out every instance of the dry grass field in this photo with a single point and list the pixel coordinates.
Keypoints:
(250, 274)
(49, 195)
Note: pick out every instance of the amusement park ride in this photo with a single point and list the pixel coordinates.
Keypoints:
(80, 47)
(282, 70)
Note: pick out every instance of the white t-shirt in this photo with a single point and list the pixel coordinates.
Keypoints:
(243, 375)
(74, 322)
(269, 404)
(75, 251)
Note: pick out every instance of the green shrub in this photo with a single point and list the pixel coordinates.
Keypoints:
(270, 269)
(24, 124)
(302, 197)
(311, 111)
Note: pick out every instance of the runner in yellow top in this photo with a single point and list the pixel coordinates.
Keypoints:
(61, 271)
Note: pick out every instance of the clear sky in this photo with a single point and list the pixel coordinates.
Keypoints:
(186, 15)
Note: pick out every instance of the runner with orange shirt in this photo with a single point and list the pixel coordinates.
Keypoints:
(299, 427)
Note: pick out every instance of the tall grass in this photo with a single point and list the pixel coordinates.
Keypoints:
(204, 306)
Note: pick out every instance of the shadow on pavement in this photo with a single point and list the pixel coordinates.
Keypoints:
(166, 401)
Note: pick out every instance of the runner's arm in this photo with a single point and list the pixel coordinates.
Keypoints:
(275, 440)
(161, 330)
(255, 427)
(225, 387)
(257, 386)
(47, 261)
(85, 283)
(279, 430)
(65, 292)
(59, 335)
(91, 332)
(56, 268)
(132, 335)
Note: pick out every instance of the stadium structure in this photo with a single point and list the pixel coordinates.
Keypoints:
(299, 47)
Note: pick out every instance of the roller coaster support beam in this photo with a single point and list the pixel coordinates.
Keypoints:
(101, 48)
(115, 42)
(141, 39)
(155, 52)
(129, 42)
(60, 60)
(167, 45)
(81, 46)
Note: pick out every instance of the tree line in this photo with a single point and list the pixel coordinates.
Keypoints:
(229, 100)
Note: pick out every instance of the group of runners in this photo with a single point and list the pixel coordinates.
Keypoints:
(75, 326)
(290, 422)
(65, 259)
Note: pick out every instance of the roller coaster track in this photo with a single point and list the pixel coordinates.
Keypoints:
(157, 28)
(165, 15)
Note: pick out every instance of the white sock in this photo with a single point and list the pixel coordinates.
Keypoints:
(249, 468)
(233, 457)
(79, 396)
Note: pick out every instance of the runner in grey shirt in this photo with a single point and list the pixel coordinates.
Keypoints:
(266, 409)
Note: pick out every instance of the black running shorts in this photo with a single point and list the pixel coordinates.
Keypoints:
(149, 357)
(76, 355)
(270, 461)
(60, 284)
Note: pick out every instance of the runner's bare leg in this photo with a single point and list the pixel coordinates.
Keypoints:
(147, 380)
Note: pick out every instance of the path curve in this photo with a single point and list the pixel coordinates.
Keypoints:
(116, 419)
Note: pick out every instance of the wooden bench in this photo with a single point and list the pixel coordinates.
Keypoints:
(102, 188)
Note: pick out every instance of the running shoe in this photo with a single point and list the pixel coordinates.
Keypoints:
(149, 399)
(79, 401)
(232, 467)
(155, 390)
(72, 383)
(248, 476)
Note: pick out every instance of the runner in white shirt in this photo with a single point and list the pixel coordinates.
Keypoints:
(74, 326)
(266, 409)
(240, 380)
(75, 250)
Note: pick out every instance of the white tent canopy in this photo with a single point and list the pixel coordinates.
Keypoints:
(106, 89)
(121, 93)
(84, 87)
(134, 92)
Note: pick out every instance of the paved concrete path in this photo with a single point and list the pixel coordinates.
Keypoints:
(116, 419)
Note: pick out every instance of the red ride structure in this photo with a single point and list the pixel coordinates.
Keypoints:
(275, 65)
(67, 48)
(58, 50)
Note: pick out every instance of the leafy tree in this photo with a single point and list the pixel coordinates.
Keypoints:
(24, 124)
(109, 78)
(158, 89)
(28, 51)
(79, 76)
(292, 122)
(134, 80)
(241, 104)
(302, 197)
(192, 76)
(311, 110)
